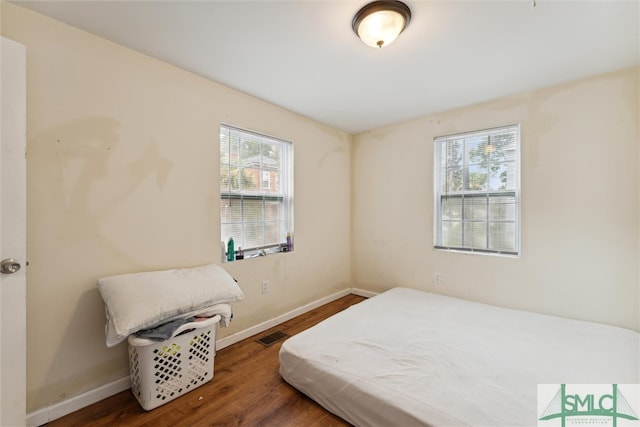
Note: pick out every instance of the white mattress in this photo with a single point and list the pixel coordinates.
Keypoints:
(411, 358)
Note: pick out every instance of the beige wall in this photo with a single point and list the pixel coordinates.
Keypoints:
(580, 219)
(123, 177)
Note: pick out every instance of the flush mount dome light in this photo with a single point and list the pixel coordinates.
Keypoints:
(380, 22)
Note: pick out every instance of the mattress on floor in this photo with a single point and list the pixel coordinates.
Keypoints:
(411, 358)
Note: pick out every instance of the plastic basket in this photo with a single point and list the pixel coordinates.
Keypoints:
(164, 370)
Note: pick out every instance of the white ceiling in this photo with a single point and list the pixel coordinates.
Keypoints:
(303, 55)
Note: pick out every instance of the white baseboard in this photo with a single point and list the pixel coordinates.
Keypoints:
(239, 336)
(60, 409)
(53, 412)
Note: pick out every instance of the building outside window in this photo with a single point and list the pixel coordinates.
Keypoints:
(477, 191)
(256, 190)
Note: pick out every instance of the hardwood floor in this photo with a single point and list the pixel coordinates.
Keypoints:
(246, 390)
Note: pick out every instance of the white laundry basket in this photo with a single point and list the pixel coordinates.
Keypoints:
(164, 370)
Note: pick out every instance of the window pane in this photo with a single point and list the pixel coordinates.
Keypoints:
(498, 177)
(452, 234)
(250, 164)
(252, 210)
(272, 210)
(253, 235)
(250, 152)
(477, 178)
(272, 232)
(250, 179)
(224, 148)
(452, 179)
(505, 147)
(230, 211)
(475, 209)
(502, 236)
(502, 208)
(475, 235)
(275, 158)
(452, 208)
(454, 153)
(503, 176)
(476, 148)
(225, 177)
(229, 179)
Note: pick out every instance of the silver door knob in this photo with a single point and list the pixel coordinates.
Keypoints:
(9, 266)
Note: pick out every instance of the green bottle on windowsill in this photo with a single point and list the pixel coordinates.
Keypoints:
(230, 250)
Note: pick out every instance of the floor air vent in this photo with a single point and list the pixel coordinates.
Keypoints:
(273, 338)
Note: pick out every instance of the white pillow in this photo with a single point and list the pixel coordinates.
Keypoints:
(140, 300)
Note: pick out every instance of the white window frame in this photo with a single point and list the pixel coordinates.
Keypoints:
(284, 179)
(466, 193)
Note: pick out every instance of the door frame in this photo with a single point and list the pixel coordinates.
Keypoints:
(13, 222)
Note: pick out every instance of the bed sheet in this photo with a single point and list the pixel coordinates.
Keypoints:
(412, 358)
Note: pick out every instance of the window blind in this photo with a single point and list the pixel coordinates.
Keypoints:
(477, 191)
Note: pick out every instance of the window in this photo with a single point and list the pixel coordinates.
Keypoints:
(477, 191)
(266, 180)
(256, 190)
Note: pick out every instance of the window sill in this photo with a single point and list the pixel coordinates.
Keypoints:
(260, 252)
(477, 252)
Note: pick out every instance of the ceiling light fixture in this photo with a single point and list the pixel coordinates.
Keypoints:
(380, 22)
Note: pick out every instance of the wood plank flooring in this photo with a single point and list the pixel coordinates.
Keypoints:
(246, 390)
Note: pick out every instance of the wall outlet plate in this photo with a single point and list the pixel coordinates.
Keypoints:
(438, 279)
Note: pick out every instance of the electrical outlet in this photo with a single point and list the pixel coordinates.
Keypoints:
(265, 287)
(438, 280)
